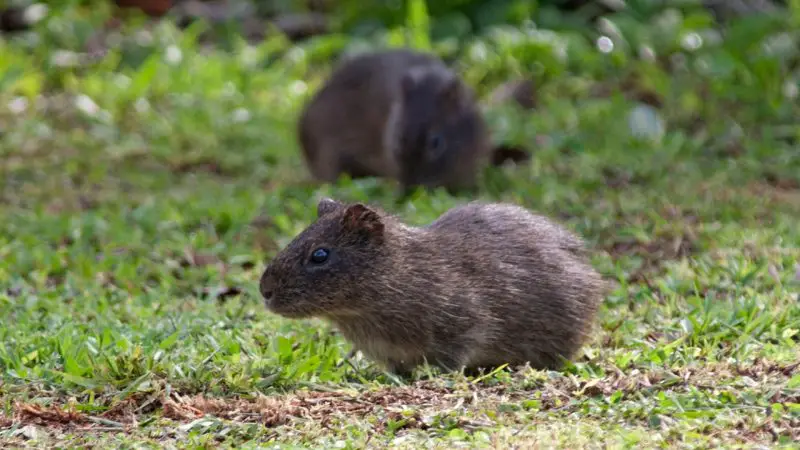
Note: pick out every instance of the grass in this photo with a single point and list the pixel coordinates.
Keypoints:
(140, 204)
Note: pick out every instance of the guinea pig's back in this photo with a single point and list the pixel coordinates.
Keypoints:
(348, 115)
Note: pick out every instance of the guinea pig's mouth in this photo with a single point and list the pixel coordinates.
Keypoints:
(286, 309)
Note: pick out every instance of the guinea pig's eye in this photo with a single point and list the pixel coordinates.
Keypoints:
(435, 141)
(435, 145)
(320, 255)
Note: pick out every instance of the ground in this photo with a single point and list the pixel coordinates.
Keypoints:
(140, 206)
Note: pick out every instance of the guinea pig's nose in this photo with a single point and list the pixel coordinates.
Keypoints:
(267, 286)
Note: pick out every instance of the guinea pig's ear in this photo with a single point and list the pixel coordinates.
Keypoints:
(455, 93)
(362, 219)
(326, 206)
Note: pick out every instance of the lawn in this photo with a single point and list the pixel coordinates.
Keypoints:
(144, 191)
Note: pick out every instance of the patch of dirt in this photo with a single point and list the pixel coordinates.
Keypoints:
(761, 368)
(408, 406)
(780, 191)
(41, 415)
(321, 407)
(780, 182)
(711, 376)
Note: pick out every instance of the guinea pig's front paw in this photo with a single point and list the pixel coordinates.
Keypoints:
(399, 369)
(451, 361)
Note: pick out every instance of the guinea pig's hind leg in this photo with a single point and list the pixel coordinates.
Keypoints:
(399, 369)
(453, 360)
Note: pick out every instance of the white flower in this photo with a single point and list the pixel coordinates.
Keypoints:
(645, 122)
(779, 45)
(42, 131)
(86, 105)
(249, 56)
(64, 58)
(18, 105)
(144, 38)
(173, 55)
(299, 87)
(141, 105)
(790, 89)
(692, 41)
(296, 54)
(122, 81)
(34, 13)
(240, 115)
(478, 52)
(605, 44)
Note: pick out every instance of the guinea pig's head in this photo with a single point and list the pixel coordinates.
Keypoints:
(441, 132)
(321, 272)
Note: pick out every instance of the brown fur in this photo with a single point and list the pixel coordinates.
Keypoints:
(377, 114)
(483, 285)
